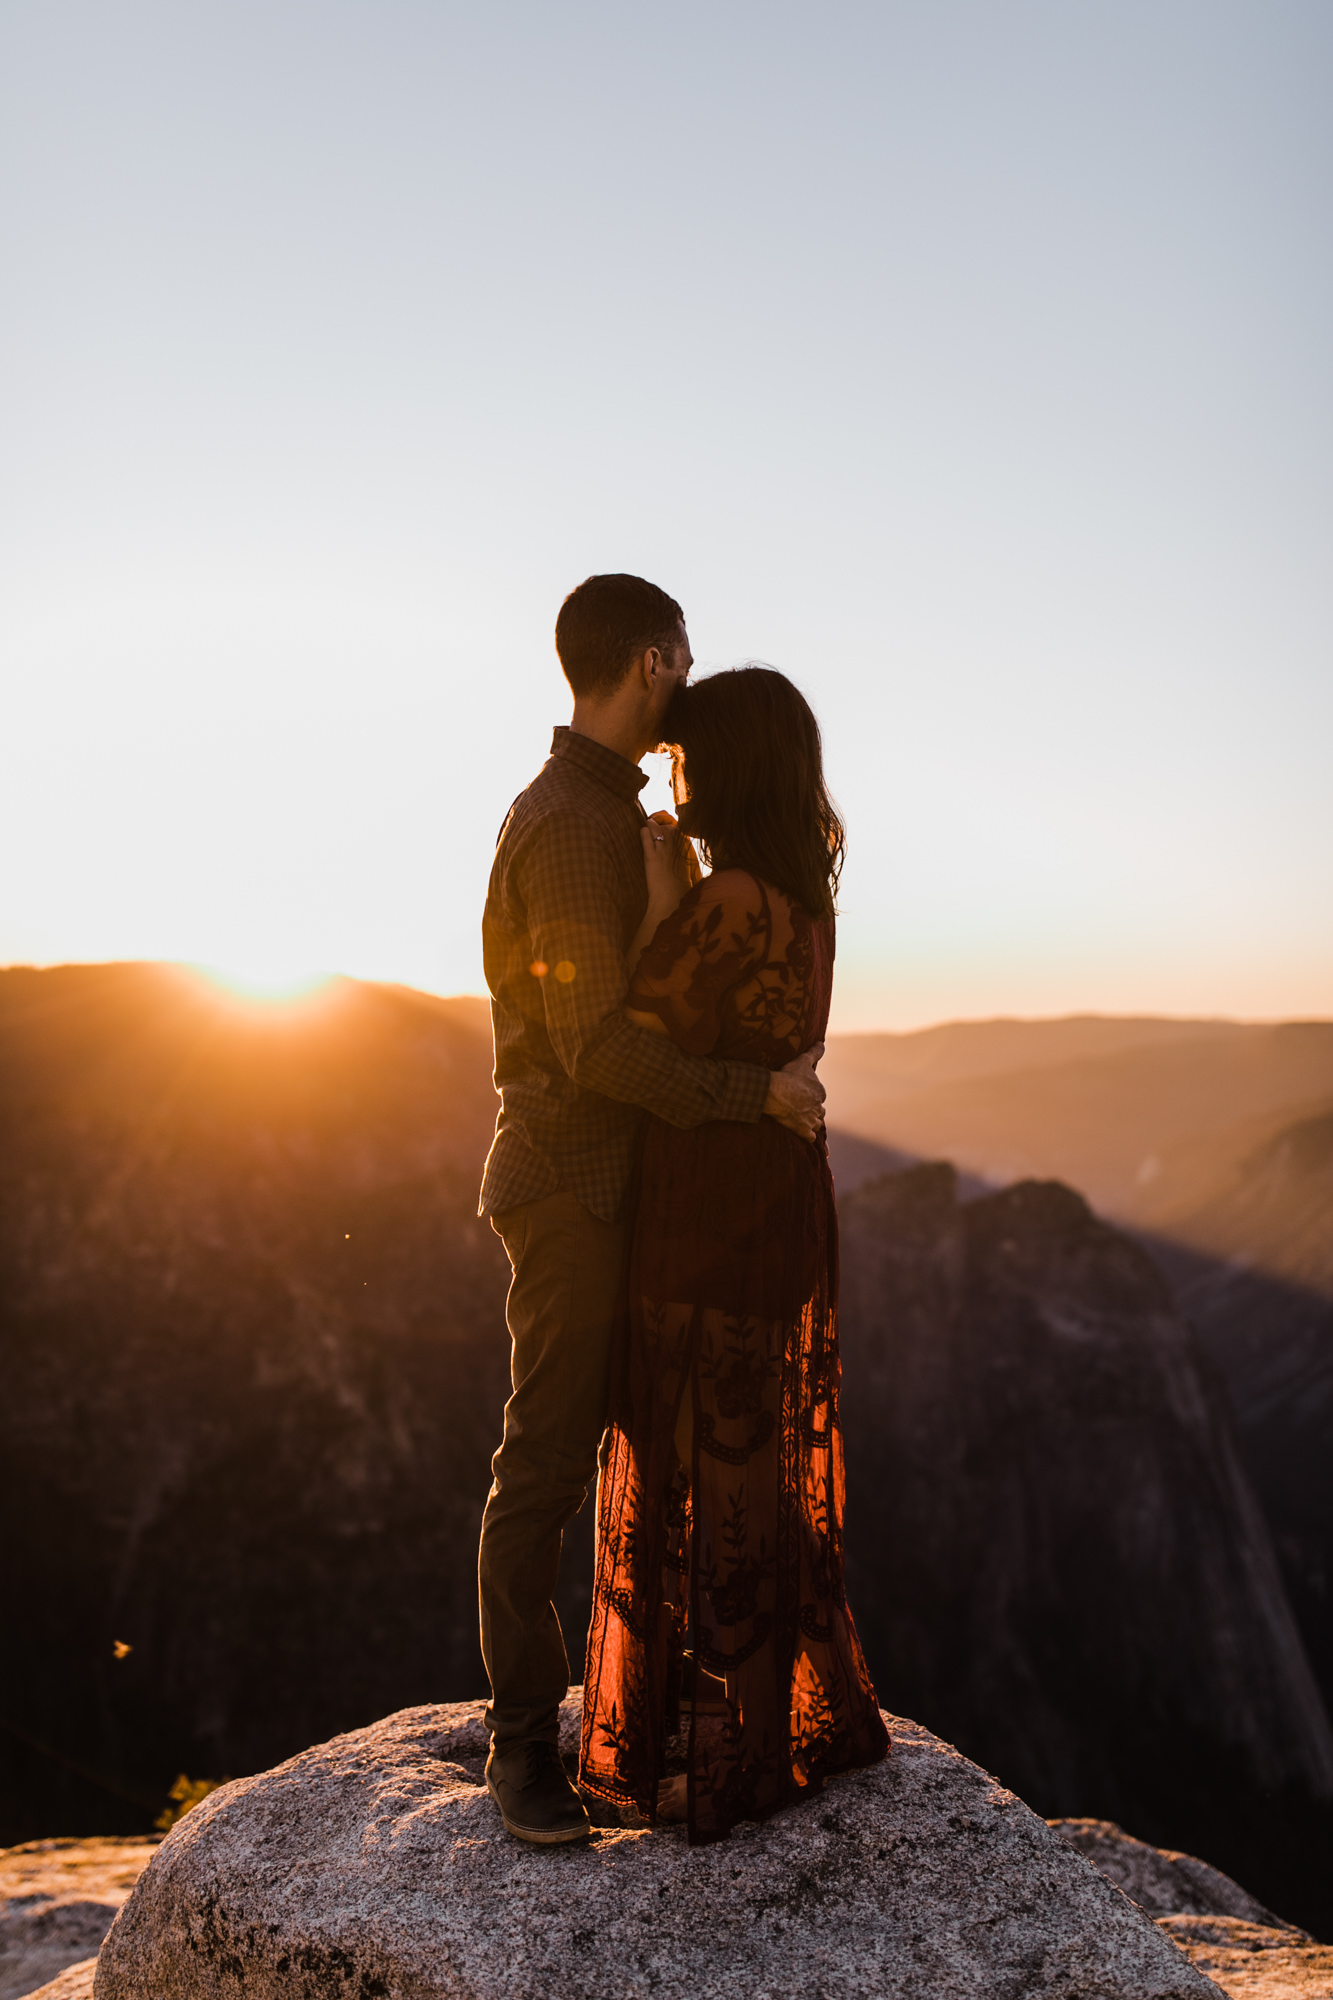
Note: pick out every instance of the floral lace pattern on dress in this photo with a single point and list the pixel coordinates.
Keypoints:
(719, 1590)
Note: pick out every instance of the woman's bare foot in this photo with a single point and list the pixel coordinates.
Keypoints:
(672, 1800)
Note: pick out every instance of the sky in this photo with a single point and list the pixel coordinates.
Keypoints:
(968, 362)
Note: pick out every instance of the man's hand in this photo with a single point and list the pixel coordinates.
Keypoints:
(796, 1096)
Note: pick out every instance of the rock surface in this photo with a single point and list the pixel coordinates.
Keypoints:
(1163, 1882)
(1249, 1953)
(375, 1864)
(74, 1983)
(1243, 1948)
(57, 1902)
(1253, 1961)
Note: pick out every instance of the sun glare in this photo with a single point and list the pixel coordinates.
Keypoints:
(267, 985)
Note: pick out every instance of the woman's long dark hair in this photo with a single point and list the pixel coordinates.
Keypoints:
(753, 763)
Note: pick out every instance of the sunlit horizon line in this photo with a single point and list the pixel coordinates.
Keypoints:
(256, 986)
(278, 984)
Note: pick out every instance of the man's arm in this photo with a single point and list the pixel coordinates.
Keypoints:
(571, 889)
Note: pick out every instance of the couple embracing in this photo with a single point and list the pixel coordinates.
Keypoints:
(660, 1181)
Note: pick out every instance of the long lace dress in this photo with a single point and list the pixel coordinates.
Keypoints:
(719, 1530)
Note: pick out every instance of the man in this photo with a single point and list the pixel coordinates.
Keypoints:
(567, 894)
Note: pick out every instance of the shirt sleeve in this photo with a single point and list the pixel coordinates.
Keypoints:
(573, 897)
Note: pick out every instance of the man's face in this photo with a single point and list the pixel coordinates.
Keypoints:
(674, 671)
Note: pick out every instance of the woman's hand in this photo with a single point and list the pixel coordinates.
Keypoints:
(671, 867)
(669, 861)
(659, 865)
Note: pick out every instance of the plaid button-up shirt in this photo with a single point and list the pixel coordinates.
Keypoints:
(575, 1076)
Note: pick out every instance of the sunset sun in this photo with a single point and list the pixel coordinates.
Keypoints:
(266, 981)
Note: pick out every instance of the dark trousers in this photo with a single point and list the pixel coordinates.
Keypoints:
(563, 1306)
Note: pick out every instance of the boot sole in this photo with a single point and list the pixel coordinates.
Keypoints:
(539, 1836)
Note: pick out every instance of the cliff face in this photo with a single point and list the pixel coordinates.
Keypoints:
(1054, 1554)
(252, 1342)
(254, 1361)
(1251, 1261)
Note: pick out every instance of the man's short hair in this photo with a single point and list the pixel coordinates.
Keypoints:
(607, 622)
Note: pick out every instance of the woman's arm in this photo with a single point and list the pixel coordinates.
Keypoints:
(671, 868)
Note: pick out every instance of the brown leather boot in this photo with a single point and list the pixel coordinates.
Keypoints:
(536, 1799)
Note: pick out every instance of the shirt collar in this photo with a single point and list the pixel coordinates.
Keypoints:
(608, 767)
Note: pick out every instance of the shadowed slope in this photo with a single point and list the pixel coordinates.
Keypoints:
(254, 1356)
(1252, 1267)
(1054, 1555)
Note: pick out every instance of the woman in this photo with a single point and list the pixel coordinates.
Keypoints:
(719, 1601)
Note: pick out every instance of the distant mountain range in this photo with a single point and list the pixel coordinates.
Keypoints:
(1213, 1142)
(1149, 1119)
(252, 1342)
